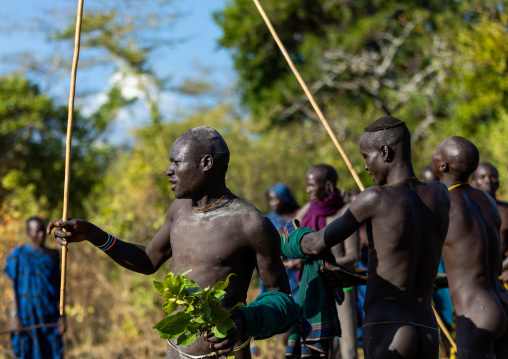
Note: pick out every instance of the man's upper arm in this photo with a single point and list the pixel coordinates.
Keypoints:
(159, 249)
(265, 241)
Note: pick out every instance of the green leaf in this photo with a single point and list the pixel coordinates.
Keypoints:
(231, 355)
(185, 339)
(170, 308)
(174, 324)
(222, 285)
(218, 314)
(159, 286)
(192, 290)
(167, 336)
(219, 295)
(237, 305)
(221, 330)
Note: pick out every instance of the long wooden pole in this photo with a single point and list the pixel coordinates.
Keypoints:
(327, 126)
(309, 95)
(68, 143)
(25, 329)
(443, 328)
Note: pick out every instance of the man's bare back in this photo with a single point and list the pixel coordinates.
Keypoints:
(407, 221)
(406, 233)
(472, 255)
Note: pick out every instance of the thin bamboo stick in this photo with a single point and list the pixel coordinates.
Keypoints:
(309, 95)
(68, 143)
(25, 329)
(443, 328)
(327, 126)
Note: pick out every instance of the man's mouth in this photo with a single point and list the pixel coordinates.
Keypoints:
(173, 182)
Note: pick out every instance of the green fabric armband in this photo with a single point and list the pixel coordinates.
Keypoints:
(291, 246)
(271, 313)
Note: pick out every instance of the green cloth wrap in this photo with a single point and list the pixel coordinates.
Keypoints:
(271, 313)
(291, 246)
(316, 299)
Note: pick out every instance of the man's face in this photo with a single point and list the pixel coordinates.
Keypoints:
(437, 158)
(184, 172)
(36, 233)
(486, 178)
(316, 184)
(374, 162)
(274, 202)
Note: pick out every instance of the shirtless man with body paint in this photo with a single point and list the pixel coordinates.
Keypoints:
(207, 229)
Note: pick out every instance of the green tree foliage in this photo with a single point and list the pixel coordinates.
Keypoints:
(438, 65)
(32, 146)
(357, 53)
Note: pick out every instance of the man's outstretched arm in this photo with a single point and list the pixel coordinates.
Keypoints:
(135, 257)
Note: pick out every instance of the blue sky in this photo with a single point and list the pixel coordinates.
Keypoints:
(177, 62)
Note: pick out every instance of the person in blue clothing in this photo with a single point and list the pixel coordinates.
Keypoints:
(35, 274)
(283, 208)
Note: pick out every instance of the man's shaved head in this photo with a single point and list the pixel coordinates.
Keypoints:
(329, 173)
(392, 132)
(461, 155)
(207, 141)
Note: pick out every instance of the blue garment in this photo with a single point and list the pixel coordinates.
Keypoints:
(442, 301)
(279, 221)
(36, 280)
(282, 191)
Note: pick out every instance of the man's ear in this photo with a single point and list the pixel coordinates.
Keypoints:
(387, 153)
(444, 167)
(207, 162)
(329, 187)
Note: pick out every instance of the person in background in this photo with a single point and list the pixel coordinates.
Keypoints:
(325, 205)
(283, 208)
(486, 178)
(35, 274)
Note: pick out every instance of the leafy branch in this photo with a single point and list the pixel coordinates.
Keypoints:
(201, 312)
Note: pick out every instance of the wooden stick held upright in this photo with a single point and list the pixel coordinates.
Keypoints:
(327, 126)
(309, 95)
(68, 143)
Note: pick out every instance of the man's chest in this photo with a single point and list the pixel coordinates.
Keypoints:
(207, 240)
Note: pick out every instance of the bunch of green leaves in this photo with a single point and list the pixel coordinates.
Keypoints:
(201, 312)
